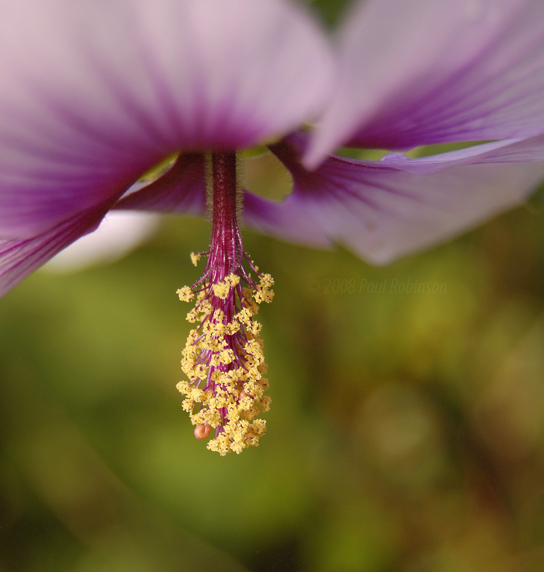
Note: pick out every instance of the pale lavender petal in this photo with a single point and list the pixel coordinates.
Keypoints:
(182, 189)
(382, 210)
(19, 258)
(427, 71)
(95, 93)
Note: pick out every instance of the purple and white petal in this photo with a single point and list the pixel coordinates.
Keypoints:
(19, 258)
(95, 93)
(382, 210)
(435, 71)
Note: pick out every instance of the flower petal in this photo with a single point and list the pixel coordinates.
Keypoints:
(427, 71)
(19, 258)
(95, 93)
(382, 210)
(182, 189)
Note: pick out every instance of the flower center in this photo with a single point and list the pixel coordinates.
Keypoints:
(223, 358)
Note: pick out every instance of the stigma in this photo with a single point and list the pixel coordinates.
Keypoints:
(223, 358)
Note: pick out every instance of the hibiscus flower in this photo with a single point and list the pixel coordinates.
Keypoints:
(95, 94)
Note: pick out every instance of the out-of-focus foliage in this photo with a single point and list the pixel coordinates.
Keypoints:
(406, 432)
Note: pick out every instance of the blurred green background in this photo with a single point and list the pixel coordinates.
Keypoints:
(406, 432)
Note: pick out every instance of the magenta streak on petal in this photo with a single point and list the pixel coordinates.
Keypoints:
(111, 132)
(469, 105)
(181, 189)
(337, 177)
(148, 134)
(171, 131)
(19, 258)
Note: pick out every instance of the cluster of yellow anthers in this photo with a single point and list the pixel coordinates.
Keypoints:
(224, 361)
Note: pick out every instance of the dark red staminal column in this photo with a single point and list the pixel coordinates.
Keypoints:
(225, 248)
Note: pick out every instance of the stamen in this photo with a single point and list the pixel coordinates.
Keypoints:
(223, 358)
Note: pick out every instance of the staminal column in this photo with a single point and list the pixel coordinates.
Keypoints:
(225, 247)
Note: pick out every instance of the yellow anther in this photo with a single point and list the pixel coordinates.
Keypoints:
(195, 258)
(224, 362)
(185, 294)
